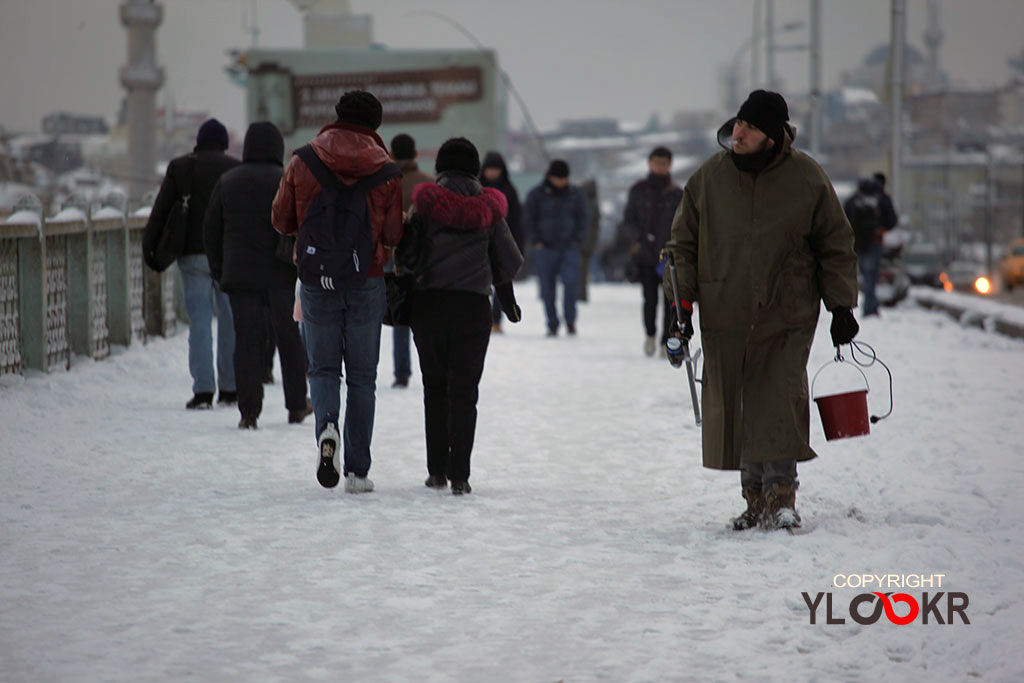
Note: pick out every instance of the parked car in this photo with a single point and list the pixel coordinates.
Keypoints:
(1011, 268)
(924, 264)
(966, 276)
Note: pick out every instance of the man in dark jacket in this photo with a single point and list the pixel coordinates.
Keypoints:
(649, 210)
(494, 173)
(345, 325)
(871, 213)
(555, 222)
(194, 175)
(241, 243)
(403, 149)
(458, 247)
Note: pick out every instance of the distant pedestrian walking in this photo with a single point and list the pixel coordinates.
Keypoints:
(457, 246)
(871, 215)
(194, 176)
(555, 221)
(403, 149)
(241, 244)
(650, 207)
(494, 173)
(342, 324)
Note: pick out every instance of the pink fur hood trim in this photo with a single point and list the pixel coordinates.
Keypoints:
(439, 204)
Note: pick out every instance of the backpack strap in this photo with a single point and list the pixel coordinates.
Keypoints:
(318, 168)
(326, 177)
(384, 173)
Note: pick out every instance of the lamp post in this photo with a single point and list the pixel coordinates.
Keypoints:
(736, 94)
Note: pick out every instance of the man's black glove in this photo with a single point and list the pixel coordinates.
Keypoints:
(685, 318)
(844, 326)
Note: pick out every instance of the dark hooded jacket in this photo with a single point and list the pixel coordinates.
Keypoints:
(887, 218)
(208, 164)
(505, 186)
(648, 217)
(239, 237)
(457, 237)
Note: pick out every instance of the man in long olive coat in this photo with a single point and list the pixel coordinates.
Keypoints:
(759, 240)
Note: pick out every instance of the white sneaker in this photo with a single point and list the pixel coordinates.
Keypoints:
(354, 484)
(328, 471)
(649, 346)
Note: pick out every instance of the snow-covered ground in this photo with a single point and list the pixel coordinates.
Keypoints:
(142, 542)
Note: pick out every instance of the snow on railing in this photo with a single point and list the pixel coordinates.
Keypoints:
(75, 283)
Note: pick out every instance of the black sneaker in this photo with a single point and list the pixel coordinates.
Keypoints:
(436, 482)
(571, 328)
(400, 383)
(201, 401)
(328, 473)
(461, 487)
(227, 398)
(268, 376)
(247, 423)
(297, 416)
(552, 331)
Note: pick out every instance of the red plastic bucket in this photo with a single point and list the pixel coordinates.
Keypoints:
(846, 414)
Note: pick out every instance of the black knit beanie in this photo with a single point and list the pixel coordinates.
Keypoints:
(768, 111)
(360, 108)
(403, 147)
(458, 154)
(558, 169)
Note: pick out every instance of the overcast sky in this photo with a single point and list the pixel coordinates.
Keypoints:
(568, 58)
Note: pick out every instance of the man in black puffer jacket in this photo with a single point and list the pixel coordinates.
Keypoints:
(241, 243)
(457, 245)
(195, 175)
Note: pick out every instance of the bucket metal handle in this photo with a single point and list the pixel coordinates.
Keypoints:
(839, 359)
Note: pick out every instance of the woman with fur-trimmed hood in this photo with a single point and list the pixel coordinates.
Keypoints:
(457, 245)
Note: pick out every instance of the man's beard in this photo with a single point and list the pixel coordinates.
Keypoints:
(755, 162)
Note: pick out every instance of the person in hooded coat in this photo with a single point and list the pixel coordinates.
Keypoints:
(241, 243)
(194, 175)
(457, 246)
(494, 173)
(759, 241)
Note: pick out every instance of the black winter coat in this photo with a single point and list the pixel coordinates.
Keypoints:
(240, 239)
(505, 186)
(457, 238)
(648, 217)
(210, 163)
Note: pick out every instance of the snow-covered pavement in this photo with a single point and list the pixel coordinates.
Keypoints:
(142, 542)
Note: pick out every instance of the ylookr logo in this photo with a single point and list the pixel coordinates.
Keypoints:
(868, 608)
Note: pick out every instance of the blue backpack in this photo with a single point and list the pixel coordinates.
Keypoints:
(335, 242)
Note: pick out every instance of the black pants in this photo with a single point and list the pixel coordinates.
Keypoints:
(250, 310)
(652, 294)
(451, 330)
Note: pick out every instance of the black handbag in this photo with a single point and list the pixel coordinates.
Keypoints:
(398, 289)
(171, 244)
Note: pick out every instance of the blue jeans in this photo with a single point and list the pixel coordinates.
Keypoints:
(200, 291)
(344, 328)
(869, 263)
(551, 265)
(400, 351)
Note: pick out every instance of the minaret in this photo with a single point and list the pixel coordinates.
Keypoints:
(933, 41)
(141, 77)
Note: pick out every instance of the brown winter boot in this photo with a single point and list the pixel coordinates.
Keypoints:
(748, 519)
(780, 507)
